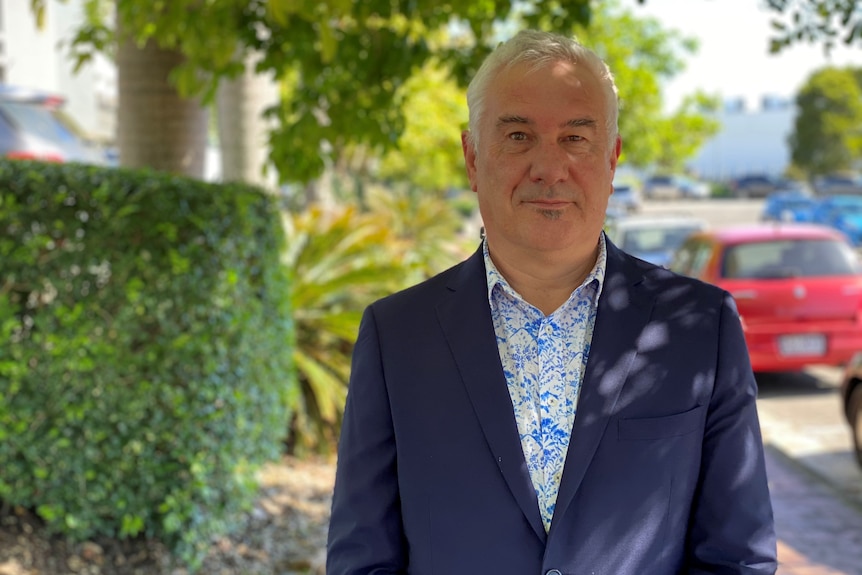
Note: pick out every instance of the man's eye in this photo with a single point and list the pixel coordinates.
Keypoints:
(573, 138)
(518, 136)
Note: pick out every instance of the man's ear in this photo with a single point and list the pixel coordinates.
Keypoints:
(615, 155)
(469, 157)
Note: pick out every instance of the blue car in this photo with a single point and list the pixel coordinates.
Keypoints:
(788, 206)
(843, 213)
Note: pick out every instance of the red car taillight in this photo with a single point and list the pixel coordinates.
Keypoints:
(42, 157)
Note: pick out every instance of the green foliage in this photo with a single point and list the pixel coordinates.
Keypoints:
(345, 61)
(641, 55)
(428, 154)
(683, 133)
(814, 21)
(379, 75)
(430, 230)
(146, 362)
(827, 134)
(341, 259)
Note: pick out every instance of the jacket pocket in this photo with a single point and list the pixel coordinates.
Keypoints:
(667, 426)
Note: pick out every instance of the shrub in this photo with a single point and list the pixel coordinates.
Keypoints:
(146, 356)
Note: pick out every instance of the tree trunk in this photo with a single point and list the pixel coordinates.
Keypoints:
(243, 131)
(156, 127)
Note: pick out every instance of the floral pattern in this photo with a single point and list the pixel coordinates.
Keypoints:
(544, 359)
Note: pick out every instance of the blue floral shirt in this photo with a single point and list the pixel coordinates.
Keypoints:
(544, 359)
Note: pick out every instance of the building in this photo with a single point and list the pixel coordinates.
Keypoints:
(748, 142)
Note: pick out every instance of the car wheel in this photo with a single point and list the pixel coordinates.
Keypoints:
(855, 412)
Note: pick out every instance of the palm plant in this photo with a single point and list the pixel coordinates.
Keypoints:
(340, 260)
(430, 232)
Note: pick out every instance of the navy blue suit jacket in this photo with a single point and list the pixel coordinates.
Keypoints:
(664, 473)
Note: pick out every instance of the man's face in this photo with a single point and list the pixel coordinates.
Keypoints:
(545, 164)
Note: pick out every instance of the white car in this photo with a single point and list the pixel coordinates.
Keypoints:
(626, 197)
(674, 187)
(653, 238)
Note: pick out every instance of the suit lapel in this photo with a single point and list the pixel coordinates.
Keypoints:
(624, 309)
(466, 322)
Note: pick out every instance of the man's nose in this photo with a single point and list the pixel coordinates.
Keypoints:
(549, 164)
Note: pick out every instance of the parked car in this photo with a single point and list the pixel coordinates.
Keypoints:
(694, 189)
(626, 197)
(33, 127)
(674, 186)
(652, 238)
(842, 212)
(756, 186)
(851, 394)
(798, 288)
(788, 206)
(838, 184)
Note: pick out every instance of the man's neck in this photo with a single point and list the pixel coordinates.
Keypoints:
(545, 280)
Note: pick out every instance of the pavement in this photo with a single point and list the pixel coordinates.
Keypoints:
(816, 489)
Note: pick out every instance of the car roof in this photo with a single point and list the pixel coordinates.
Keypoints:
(630, 221)
(842, 199)
(744, 233)
(21, 94)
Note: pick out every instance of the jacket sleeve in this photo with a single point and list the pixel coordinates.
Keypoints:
(732, 530)
(365, 530)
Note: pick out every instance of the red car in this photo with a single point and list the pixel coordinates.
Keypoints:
(798, 288)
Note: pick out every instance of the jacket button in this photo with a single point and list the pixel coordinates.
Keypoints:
(553, 572)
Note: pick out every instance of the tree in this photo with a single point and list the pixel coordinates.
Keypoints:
(641, 53)
(827, 134)
(344, 64)
(156, 126)
(815, 21)
(242, 129)
(346, 60)
(428, 152)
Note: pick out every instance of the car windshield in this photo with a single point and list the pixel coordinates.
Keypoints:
(656, 239)
(793, 203)
(38, 120)
(849, 209)
(789, 258)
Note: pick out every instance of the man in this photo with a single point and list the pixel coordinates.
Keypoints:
(551, 405)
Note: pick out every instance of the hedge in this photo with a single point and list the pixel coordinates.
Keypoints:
(145, 355)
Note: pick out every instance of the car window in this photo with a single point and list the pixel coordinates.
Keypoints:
(656, 239)
(789, 258)
(691, 258)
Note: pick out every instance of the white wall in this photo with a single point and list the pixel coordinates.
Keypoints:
(29, 55)
(749, 142)
(38, 58)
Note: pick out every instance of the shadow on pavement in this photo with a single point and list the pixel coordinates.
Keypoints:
(791, 383)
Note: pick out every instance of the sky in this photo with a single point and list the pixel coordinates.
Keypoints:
(733, 59)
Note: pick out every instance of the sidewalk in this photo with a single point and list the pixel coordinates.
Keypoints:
(816, 491)
(823, 451)
(819, 534)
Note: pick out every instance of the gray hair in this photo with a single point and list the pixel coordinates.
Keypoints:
(540, 49)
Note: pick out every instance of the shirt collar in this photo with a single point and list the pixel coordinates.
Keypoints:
(495, 278)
